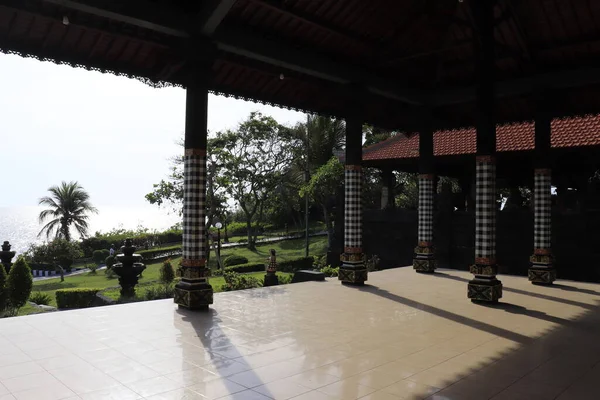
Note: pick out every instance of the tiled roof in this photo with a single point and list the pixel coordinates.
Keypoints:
(566, 132)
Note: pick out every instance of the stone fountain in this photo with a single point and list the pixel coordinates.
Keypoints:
(129, 268)
(6, 256)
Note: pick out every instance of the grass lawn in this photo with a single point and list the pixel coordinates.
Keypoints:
(216, 282)
(285, 250)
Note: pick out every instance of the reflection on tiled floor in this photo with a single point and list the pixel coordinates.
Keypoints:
(403, 336)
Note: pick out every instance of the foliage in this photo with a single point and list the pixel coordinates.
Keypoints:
(375, 135)
(160, 252)
(40, 298)
(3, 289)
(141, 238)
(407, 190)
(110, 261)
(156, 293)
(19, 284)
(235, 281)
(170, 191)
(234, 259)
(92, 268)
(75, 298)
(100, 255)
(167, 273)
(296, 264)
(252, 163)
(59, 251)
(249, 267)
(68, 204)
(284, 279)
(330, 271)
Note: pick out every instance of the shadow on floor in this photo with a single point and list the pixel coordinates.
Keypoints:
(514, 336)
(533, 294)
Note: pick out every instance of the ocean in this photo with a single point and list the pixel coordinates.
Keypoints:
(19, 225)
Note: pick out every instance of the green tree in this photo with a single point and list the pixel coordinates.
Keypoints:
(253, 160)
(68, 205)
(19, 283)
(321, 188)
(3, 290)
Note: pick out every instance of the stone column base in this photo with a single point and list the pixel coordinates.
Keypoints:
(193, 296)
(270, 280)
(424, 259)
(541, 271)
(485, 290)
(541, 275)
(424, 265)
(353, 274)
(353, 270)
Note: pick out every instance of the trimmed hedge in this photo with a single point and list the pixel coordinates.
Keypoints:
(100, 255)
(234, 260)
(296, 264)
(160, 252)
(249, 267)
(75, 298)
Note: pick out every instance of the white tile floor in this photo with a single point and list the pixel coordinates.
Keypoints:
(404, 336)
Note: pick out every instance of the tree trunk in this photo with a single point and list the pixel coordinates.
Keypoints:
(249, 228)
(329, 226)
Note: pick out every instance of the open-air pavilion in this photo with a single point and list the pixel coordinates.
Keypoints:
(406, 65)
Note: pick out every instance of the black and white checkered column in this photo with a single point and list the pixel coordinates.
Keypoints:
(194, 202)
(485, 286)
(353, 268)
(194, 291)
(424, 259)
(542, 270)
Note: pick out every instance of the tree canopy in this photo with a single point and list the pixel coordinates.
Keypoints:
(68, 205)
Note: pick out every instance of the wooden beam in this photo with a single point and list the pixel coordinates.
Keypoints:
(212, 14)
(145, 15)
(240, 42)
(282, 8)
(521, 86)
(243, 43)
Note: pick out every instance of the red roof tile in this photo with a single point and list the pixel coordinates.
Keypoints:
(566, 132)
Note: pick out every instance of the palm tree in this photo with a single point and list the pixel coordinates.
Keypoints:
(67, 205)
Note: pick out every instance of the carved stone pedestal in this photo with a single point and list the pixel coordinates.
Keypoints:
(541, 271)
(193, 296)
(353, 270)
(484, 287)
(424, 259)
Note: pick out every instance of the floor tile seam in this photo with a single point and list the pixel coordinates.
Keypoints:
(580, 378)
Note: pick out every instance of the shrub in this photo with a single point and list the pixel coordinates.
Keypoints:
(329, 271)
(250, 267)
(19, 284)
(40, 298)
(75, 298)
(58, 251)
(92, 267)
(296, 264)
(167, 273)
(3, 289)
(110, 261)
(100, 255)
(153, 254)
(284, 279)
(234, 260)
(235, 281)
(157, 293)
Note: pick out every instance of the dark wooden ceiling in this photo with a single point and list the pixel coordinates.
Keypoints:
(311, 55)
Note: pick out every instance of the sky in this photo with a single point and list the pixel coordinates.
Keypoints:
(114, 135)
